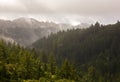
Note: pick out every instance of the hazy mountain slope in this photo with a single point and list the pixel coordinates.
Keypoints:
(91, 55)
(25, 31)
(81, 45)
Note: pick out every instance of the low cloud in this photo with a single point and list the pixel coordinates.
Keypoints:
(88, 7)
(23, 7)
(101, 10)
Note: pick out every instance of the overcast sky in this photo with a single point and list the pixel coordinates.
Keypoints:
(64, 11)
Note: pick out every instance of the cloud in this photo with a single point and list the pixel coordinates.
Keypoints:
(35, 7)
(85, 7)
(23, 7)
(62, 10)
(90, 7)
(11, 6)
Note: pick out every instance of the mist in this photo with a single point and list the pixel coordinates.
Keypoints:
(62, 11)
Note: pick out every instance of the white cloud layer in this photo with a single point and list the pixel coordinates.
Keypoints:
(106, 11)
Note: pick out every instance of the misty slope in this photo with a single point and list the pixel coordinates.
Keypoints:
(82, 45)
(91, 55)
(25, 31)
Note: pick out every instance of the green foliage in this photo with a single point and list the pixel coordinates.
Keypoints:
(77, 55)
(18, 64)
(64, 80)
(94, 51)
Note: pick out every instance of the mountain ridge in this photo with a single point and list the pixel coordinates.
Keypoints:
(79, 45)
(25, 31)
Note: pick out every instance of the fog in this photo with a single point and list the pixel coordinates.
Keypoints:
(65, 11)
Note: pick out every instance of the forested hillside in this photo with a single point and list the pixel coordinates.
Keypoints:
(18, 64)
(77, 55)
(94, 49)
(26, 31)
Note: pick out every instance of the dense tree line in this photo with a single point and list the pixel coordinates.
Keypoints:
(77, 55)
(94, 51)
(18, 64)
